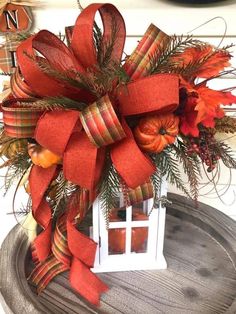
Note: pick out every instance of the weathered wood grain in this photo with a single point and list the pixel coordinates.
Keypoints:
(200, 249)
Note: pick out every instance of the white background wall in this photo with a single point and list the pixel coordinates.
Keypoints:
(171, 18)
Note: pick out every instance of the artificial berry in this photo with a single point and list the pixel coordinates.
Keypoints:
(203, 146)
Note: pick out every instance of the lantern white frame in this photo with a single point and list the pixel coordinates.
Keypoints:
(153, 258)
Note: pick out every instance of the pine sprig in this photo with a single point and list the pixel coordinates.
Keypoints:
(20, 36)
(189, 71)
(156, 183)
(64, 76)
(97, 37)
(226, 154)
(56, 103)
(100, 81)
(105, 48)
(16, 169)
(159, 61)
(225, 125)
(169, 167)
(191, 167)
(59, 194)
(109, 190)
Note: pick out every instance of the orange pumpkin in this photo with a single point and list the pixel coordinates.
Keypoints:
(42, 157)
(117, 236)
(154, 133)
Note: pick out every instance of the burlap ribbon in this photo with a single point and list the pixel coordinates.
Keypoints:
(82, 138)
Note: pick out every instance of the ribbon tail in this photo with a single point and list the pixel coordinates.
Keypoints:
(42, 242)
(57, 262)
(45, 271)
(40, 209)
(132, 165)
(83, 250)
(85, 282)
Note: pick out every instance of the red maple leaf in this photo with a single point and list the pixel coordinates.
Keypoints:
(202, 105)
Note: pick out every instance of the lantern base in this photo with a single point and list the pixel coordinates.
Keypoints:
(132, 262)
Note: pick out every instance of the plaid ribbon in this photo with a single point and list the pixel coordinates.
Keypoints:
(151, 44)
(19, 87)
(20, 122)
(7, 53)
(141, 193)
(101, 123)
(60, 259)
(57, 262)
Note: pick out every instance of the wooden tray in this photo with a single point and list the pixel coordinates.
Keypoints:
(200, 249)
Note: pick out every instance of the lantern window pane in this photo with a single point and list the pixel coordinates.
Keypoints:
(118, 214)
(139, 213)
(139, 237)
(116, 241)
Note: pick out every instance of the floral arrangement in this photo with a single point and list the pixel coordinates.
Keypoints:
(80, 122)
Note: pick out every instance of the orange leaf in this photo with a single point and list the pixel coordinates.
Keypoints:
(202, 105)
(206, 60)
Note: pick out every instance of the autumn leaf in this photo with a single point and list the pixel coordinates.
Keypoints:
(202, 105)
(210, 101)
(203, 61)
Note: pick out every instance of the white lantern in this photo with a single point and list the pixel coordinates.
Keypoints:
(134, 239)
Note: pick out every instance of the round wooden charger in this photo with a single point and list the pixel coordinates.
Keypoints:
(200, 249)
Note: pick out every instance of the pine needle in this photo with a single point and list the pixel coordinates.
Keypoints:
(226, 154)
(225, 125)
(156, 183)
(169, 167)
(159, 61)
(191, 167)
(109, 190)
(56, 103)
(64, 76)
(59, 194)
(19, 165)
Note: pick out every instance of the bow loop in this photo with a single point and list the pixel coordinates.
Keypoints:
(150, 94)
(83, 46)
(101, 123)
(56, 57)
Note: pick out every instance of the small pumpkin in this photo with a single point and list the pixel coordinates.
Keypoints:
(42, 157)
(117, 236)
(154, 133)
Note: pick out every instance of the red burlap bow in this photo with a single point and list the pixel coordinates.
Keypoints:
(82, 137)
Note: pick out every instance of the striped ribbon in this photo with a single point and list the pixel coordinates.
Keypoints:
(19, 87)
(61, 257)
(57, 262)
(101, 123)
(153, 41)
(141, 193)
(19, 121)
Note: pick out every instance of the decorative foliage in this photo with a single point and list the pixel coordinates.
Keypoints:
(108, 127)
(110, 189)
